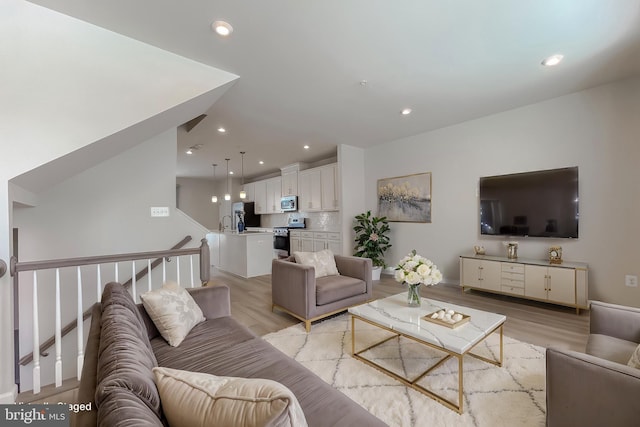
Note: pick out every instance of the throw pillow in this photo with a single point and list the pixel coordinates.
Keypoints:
(195, 398)
(323, 262)
(634, 362)
(173, 311)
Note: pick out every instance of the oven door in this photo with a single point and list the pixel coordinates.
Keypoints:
(281, 245)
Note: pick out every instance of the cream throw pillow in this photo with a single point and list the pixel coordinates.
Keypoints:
(198, 399)
(634, 362)
(323, 262)
(173, 311)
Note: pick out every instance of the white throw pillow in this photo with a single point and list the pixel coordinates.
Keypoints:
(198, 399)
(173, 311)
(634, 362)
(323, 262)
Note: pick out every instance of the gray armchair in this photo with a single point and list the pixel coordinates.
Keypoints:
(597, 388)
(296, 291)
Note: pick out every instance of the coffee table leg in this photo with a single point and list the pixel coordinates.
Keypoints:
(460, 383)
(353, 335)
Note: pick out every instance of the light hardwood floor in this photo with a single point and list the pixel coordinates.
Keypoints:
(536, 323)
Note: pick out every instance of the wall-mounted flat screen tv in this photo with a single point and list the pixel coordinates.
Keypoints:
(535, 204)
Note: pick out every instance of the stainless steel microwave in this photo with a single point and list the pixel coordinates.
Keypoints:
(289, 204)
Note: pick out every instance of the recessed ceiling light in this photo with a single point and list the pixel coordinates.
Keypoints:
(306, 147)
(222, 28)
(552, 60)
(230, 172)
(261, 162)
(405, 111)
(221, 130)
(189, 151)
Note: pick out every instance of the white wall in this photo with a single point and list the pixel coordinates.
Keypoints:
(596, 130)
(194, 199)
(104, 210)
(352, 198)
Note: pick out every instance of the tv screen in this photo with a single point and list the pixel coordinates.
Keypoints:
(536, 204)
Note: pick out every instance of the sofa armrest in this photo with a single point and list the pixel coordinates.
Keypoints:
(615, 321)
(293, 286)
(357, 267)
(214, 301)
(583, 390)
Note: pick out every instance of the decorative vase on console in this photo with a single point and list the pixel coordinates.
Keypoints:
(415, 270)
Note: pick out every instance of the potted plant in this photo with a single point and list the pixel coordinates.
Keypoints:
(372, 240)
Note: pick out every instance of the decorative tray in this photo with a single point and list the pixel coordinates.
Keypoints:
(448, 321)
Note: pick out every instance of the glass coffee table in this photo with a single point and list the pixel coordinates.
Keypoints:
(392, 314)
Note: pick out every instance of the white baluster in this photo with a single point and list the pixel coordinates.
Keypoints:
(191, 262)
(80, 326)
(58, 364)
(133, 281)
(178, 269)
(116, 278)
(149, 273)
(99, 284)
(164, 270)
(36, 337)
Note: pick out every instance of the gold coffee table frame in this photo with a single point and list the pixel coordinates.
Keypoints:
(413, 383)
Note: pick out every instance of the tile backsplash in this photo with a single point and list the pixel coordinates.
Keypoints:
(326, 221)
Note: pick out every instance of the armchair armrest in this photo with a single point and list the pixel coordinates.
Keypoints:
(214, 301)
(615, 321)
(583, 390)
(293, 286)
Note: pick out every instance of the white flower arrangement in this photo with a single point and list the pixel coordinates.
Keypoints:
(414, 269)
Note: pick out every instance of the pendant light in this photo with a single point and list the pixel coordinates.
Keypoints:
(214, 198)
(243, 194)
(227, 195)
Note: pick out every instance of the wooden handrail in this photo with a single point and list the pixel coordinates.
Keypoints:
(73, 262)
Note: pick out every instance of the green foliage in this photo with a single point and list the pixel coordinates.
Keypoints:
(371, 238)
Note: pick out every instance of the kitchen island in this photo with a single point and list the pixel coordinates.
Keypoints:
(246, 254)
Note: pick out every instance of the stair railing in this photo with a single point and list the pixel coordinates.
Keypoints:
(17, 267)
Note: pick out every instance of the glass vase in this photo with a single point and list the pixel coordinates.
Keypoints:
(413, 295)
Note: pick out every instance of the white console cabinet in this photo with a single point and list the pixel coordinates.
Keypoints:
(564, 284)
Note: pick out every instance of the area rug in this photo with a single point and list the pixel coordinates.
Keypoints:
(511, 395)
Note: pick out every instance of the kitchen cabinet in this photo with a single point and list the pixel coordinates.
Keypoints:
(314, 241)
(301, 241)
(310, 189)
(246, 254)
(329, 181)
(260, 197)
(250, 189)
(290, 183)
(274, 194)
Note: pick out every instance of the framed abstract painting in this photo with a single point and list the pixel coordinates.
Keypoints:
(405, 198)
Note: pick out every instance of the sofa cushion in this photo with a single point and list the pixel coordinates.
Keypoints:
(125, 358)
(323, 262)
(173, 311)
(335, 288)
(634, 360)
(610, 348)
(121, 407)
(195, 398)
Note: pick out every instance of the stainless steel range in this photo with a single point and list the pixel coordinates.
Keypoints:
(281, 240)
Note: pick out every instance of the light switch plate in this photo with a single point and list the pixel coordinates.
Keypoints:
(159, 211)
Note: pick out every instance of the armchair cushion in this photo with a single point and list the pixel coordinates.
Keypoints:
(322, 261)
(610, 348)
(336, 288)
(634, 361)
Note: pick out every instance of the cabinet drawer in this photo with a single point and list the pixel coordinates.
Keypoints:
(511, 282)
(512, 268)
(513, 276)
(307, 234)
(333, 236)
(319, 235)
(512, 290)
(294, 233)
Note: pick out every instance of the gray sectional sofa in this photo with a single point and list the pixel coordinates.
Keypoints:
(124, 345)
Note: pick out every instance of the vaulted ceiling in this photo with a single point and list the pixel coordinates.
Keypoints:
(332, 72)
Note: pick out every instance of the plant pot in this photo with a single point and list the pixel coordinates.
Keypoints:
(375, 273)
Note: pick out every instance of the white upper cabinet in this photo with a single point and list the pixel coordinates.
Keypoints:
(330, 187)
(310, 190)
(250, 189)
(290, 183)
(273, 195)
(260, 197)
